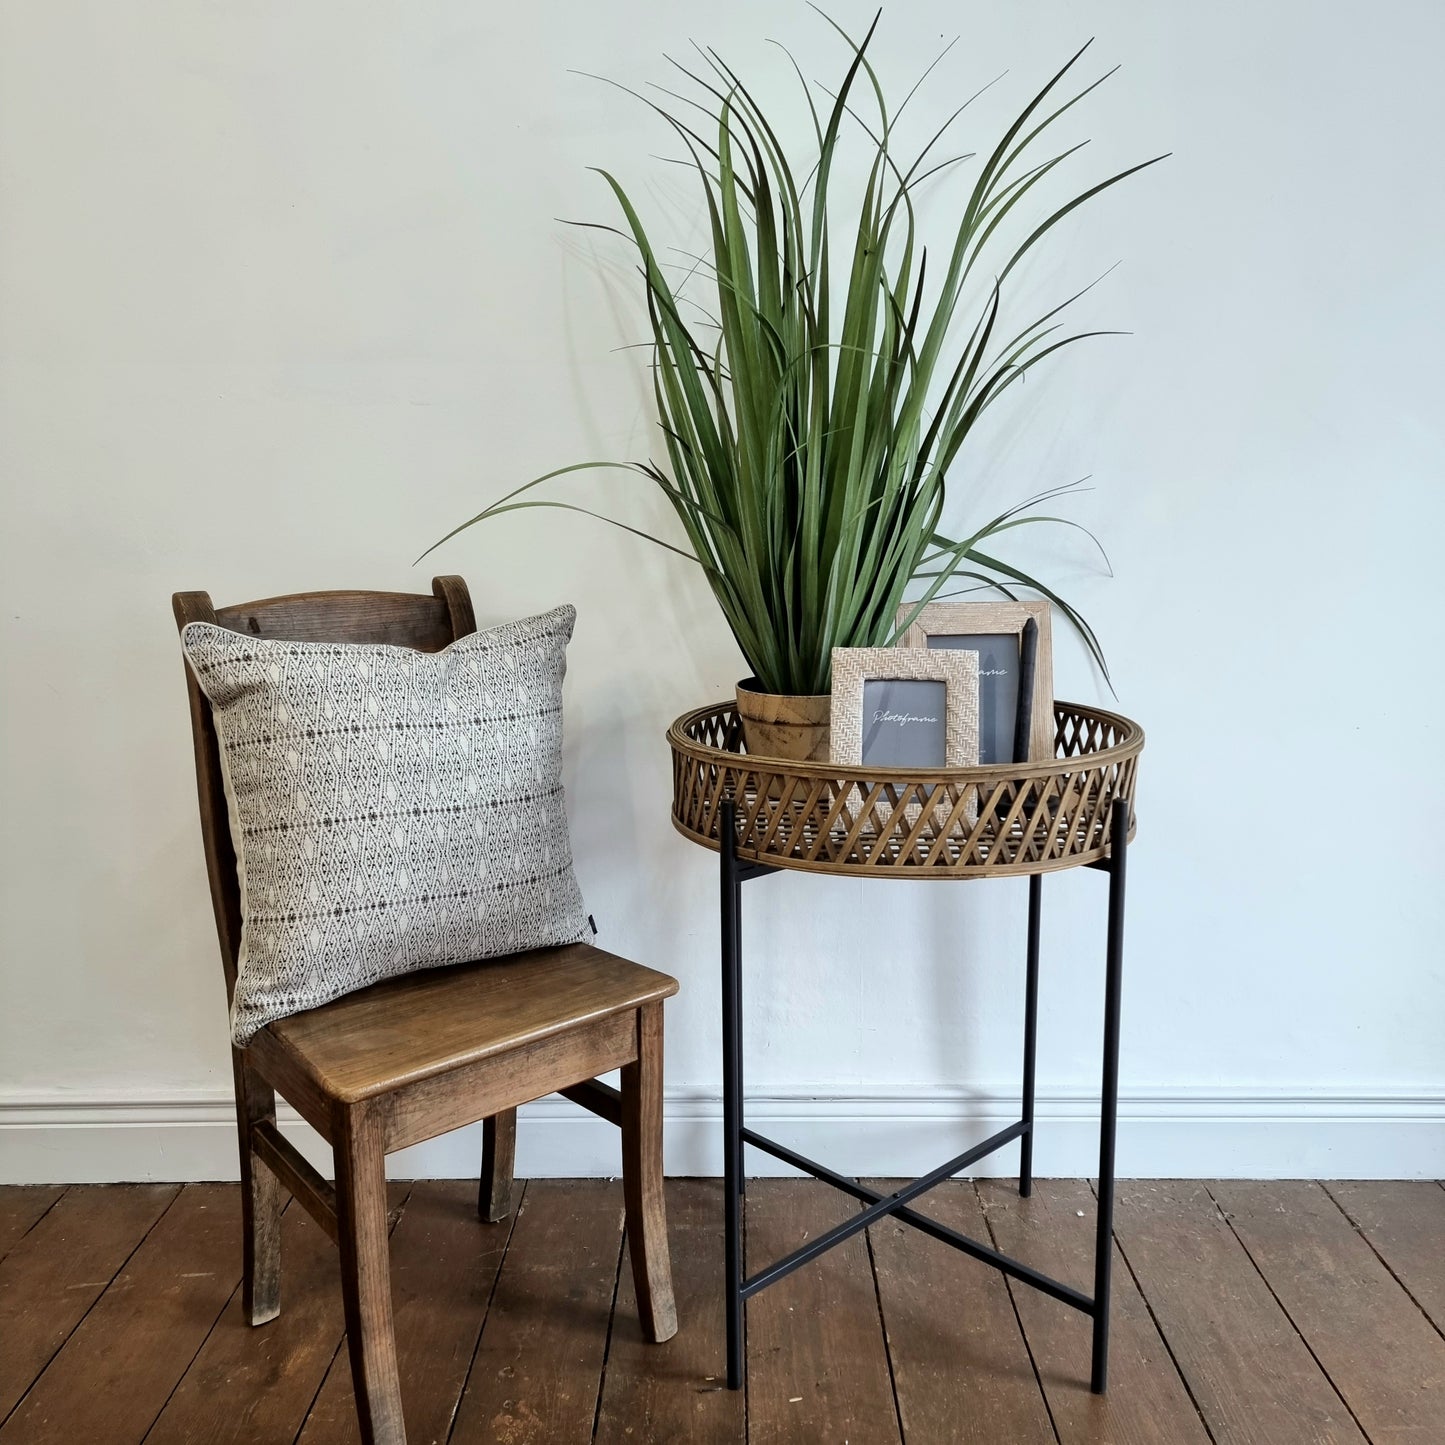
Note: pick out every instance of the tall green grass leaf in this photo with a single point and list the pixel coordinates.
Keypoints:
(808, 446)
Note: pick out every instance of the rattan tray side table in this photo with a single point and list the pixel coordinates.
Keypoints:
(1008, 820)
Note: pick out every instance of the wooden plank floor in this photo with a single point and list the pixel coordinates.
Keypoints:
(1244, 1312)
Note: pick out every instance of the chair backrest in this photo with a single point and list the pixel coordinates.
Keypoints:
(402, 618)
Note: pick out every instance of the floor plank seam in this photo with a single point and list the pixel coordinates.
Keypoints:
(883, 1325)
(70, 1333)
(1319, 1364)
(1385, 1263)
(607, 1343)
(486, 1313)
(320, 1386)
(1159, 1328)
(1009, 1285)
(220, 1315)
(341, 1343)
(34, 1222)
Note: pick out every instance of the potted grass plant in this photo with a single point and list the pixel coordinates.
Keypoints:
(811, 427)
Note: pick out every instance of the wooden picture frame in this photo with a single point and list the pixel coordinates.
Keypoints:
(956, 621)
(907, 729)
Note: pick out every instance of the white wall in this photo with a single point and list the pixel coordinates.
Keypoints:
(282, 298)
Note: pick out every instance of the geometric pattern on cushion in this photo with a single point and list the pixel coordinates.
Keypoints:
(391, 810)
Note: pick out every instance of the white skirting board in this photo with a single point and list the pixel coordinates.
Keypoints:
(1381, 1134)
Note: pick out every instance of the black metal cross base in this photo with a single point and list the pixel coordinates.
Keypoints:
(735, 872)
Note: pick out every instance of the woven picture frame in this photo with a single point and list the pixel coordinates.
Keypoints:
(958, 671)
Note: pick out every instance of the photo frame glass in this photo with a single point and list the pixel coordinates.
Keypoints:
(905, 722)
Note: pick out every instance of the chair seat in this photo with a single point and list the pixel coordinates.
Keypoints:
(439, 1019)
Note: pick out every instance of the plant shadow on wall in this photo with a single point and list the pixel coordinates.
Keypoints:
(814, 408)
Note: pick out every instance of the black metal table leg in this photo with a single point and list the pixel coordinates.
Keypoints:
(1031, 1032)
(740, 1063)
(1109, 1102)
(733, 872)
(731, 901)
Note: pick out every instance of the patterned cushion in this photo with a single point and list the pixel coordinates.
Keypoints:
(391, 809)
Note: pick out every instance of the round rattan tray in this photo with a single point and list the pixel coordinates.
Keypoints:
(983, 822)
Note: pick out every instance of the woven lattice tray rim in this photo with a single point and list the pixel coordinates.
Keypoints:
(1002, 819)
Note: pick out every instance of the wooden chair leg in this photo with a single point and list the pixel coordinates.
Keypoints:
(642, 1179)
(262, 1198)
(499, 1152)
(366, 1274)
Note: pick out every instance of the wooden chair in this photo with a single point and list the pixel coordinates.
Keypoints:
(416, 1056)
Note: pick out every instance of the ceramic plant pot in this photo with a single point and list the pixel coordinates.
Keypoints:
(784, 725)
